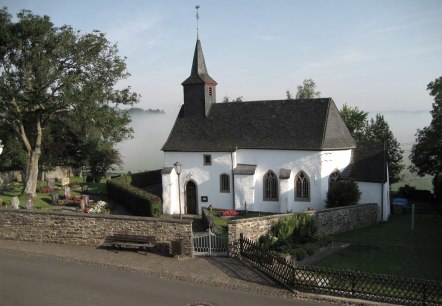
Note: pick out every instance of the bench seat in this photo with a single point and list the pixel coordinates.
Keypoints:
(119, 241)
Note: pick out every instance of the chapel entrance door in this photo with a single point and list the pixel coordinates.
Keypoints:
(191, 198)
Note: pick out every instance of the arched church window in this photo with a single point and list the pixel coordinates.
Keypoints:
(302, 187)
(270, 186)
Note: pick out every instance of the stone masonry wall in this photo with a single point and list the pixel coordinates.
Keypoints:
(329, 221)
(341, 219)
(252, 228)
(84, 229)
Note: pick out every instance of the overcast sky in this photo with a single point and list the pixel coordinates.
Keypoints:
(376, 55)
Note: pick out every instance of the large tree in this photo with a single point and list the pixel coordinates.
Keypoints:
(426, 153)
(356, 121)
(305, 91)
(47, 70)
(376, 130)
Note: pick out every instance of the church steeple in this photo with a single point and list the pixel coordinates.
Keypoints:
(199, 87)
(198, 74)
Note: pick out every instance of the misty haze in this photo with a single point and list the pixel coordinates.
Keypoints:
(151, 130)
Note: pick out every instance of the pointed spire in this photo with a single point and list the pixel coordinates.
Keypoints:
(199, 74)
(197, 22)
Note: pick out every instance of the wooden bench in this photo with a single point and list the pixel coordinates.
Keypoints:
(130, 241)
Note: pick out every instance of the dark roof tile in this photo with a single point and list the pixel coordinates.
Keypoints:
(311, 124)
(369, 163)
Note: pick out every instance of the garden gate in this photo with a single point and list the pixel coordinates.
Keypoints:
(209, 244)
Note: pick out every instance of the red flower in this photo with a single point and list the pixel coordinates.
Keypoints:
(229, 213)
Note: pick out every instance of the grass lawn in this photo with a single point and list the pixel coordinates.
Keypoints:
(393, 248)
(43, 201)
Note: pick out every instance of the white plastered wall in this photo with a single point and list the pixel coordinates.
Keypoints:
(206, 177)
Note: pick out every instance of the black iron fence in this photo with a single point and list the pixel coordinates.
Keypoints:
(367, 286)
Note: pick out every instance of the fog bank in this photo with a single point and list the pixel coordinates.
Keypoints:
(143, 152)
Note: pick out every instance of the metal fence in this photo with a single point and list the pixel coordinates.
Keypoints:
(367, 286)
(209, 244)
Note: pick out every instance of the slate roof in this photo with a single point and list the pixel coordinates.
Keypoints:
(199, 74)
(310, 124)
(369, 163)
(243, 169)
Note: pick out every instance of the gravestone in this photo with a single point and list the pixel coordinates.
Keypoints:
(29, 204)
(64, 181)
(54, 197)
(15, 202)
(51, 183)
(67, 192)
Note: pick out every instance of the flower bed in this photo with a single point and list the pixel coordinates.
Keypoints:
(101, 207)
(229, 213)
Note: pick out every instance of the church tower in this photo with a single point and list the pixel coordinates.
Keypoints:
(199, 87)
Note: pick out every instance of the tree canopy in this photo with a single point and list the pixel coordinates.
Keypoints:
(356, 121)
(305, 91)
(426, 153)
(227, 99)
(48, 73)
(377, 130)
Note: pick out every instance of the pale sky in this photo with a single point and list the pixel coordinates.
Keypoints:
(376, 55)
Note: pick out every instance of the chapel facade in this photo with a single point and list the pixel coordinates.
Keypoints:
(271, 156)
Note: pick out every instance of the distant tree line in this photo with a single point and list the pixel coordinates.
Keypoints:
(139, 110)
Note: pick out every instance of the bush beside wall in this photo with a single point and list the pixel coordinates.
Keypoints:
(328, 221)
(137, 201)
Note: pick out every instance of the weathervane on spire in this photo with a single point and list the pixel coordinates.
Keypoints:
(197, 20)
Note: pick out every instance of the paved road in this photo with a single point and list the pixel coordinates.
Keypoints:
(26, 279)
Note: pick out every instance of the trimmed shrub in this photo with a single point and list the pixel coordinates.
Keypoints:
(343, 193)
(147, 178)
(137, 201)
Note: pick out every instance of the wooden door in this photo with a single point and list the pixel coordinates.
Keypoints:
(191, 198)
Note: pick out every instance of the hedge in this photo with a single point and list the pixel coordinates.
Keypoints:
(147, 178)
(137, 201)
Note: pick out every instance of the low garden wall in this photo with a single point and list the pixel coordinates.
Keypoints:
(86, 229)
(329, 221)
(341, 219)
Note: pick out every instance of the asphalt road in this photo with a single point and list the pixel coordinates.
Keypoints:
(26, 279)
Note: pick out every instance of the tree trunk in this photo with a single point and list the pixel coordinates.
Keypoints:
(34, 157)
(32, 173)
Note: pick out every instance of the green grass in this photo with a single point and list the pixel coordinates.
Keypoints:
(43, 201)
(393, 248)
(421, 183)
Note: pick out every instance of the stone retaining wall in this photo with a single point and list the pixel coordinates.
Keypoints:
(342, 219)
(329, 221)
(85, 229)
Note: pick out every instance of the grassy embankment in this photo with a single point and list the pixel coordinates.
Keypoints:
(393, 248)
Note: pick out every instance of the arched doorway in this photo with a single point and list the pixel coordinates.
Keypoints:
(191, 198)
